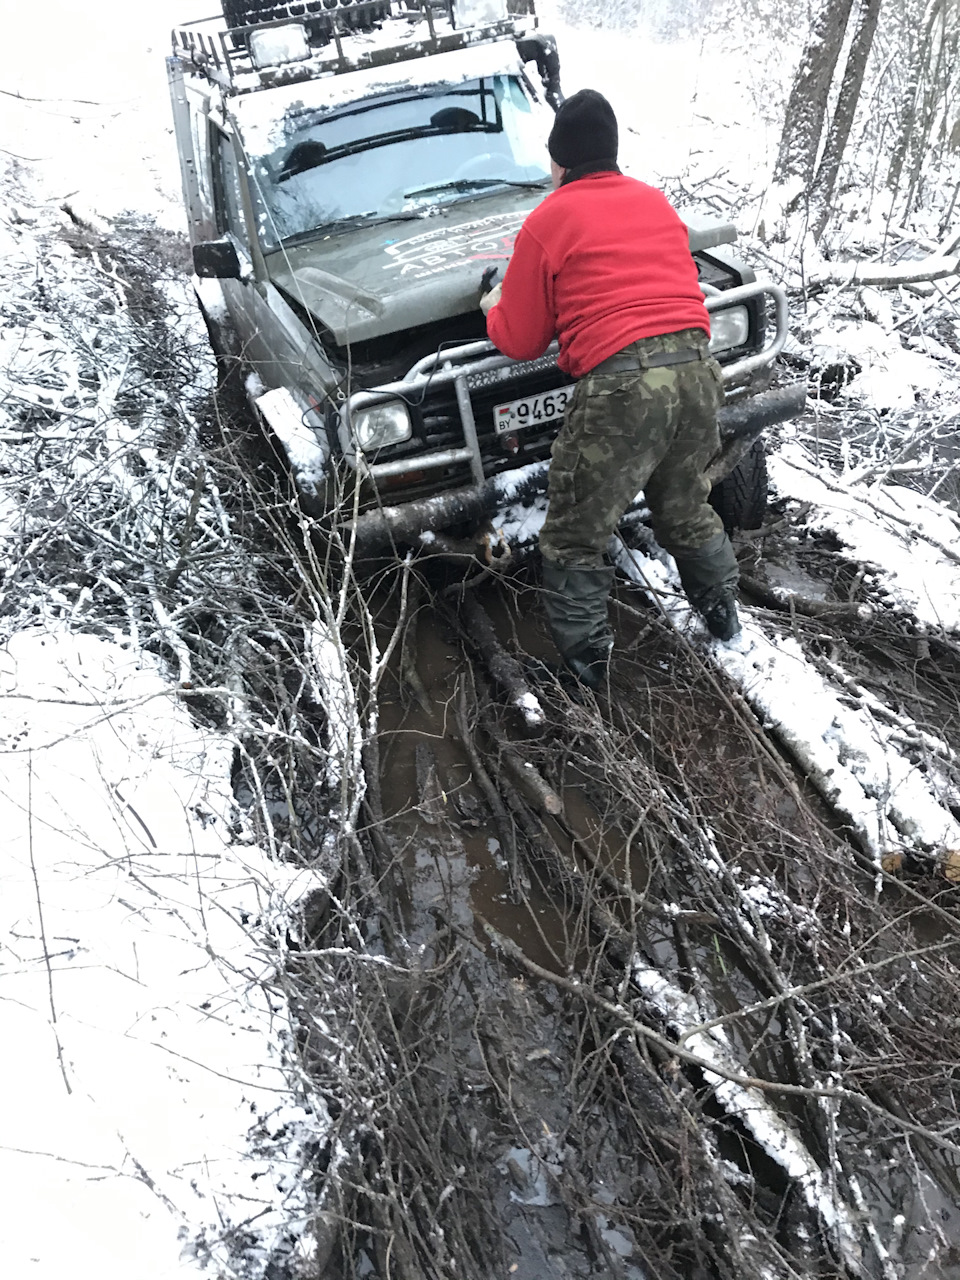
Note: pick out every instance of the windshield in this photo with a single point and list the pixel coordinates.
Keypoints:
(398, 154)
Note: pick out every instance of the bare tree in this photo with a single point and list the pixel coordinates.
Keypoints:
(936, 89)
(824, 185)
(807, 105)
(911, 97)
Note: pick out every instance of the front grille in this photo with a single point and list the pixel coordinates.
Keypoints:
(441, 424)
(438, 425)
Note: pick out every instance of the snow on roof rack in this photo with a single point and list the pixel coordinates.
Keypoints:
(273, 42)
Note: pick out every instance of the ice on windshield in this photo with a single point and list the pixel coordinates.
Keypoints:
(399, 152)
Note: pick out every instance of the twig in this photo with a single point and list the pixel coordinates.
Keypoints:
(43, 932)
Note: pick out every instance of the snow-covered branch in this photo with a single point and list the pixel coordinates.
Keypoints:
(881, 275)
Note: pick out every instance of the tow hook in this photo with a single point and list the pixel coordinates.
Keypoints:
(495, 552)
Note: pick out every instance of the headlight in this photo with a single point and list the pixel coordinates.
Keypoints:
(380, 425)
(729, 328)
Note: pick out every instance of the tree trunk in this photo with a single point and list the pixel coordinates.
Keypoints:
(824, 185)
(911, 95)
(936, 90)
(807, 105)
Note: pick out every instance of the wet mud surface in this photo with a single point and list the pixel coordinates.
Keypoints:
(501, 1000)
(690, 874)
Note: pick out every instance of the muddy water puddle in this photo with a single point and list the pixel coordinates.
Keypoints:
(572, 1136)
(559, 1212)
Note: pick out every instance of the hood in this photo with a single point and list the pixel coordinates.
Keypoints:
(374, 280)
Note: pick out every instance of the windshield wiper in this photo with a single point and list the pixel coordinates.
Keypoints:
(348, 224)
(473, 184)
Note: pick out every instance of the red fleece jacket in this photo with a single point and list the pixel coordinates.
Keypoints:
(601, 262)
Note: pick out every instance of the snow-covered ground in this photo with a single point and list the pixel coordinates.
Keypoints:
(143, 1033)
(149, 1108)
(85, 104)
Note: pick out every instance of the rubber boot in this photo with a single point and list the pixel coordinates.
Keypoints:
(722, 618)
(575, 600)
(709, 578)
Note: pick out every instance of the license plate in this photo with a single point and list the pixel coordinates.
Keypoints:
(532, 411)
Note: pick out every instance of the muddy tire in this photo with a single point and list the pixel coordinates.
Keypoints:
(230, 407)
(740, 499)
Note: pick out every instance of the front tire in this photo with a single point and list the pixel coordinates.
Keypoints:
(740, 499)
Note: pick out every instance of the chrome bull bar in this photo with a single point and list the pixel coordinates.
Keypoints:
(459, 365)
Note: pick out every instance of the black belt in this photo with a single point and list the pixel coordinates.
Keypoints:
(625, 362)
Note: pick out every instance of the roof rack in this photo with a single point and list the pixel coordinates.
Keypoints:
(286, 41)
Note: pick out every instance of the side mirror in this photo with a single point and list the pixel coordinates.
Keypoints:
(216, 260)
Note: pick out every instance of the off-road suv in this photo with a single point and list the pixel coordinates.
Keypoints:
(350, 170)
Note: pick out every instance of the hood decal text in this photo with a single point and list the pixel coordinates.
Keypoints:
(445, 248)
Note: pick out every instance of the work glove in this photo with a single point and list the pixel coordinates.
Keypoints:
(491, 298)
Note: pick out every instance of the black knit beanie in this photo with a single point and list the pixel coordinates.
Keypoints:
(585, 130)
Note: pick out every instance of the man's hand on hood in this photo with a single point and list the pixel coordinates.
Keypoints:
(491, 298)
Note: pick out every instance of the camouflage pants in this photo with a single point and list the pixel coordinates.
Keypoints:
(649, 429)
(627, 430)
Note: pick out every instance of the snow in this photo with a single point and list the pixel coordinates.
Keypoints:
(143, 1035)
(891, 376)
(529, 707)
(675, 110)
(86, 104)
(210, 294)
(509, 483)
(333, 689)
(278, 45)
(307, 450)
(151, 1127)
(909, 540)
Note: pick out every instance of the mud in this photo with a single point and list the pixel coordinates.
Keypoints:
(581, 1157)
(511, 1104)
(498, 1114)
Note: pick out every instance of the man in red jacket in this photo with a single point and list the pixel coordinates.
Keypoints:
(604, 265)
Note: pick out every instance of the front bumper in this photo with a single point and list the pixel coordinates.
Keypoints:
(390, 526)
(471, 369)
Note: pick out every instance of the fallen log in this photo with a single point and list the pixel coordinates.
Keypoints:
(504, 668)
(881, 275)
(790, 602)
(531, 782)
(528, 779)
